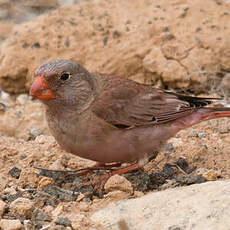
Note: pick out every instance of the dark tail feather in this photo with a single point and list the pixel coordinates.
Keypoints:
(195, 101)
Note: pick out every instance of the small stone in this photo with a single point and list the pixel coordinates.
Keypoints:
(34, 132)
(10, 224)
(42, 216)
(190, 179)
(45, 181)
(63, 221)
(15, 172)
(10, 191)
(3, 182)
(176, 142)
(22, 99)
(76, 220)
(201, 135)
(211, 175)
(117, 195)
(118, 182)
(36, 45)
(192, 133)
(182, 163)
(28, 225)
(138, 194)
(2, 207)
(174, 227)
(80, 197)
(22, 207)
(169, 147)
(84, 206)
(168, 170)
(58, 210)
(42, 139)
(23, 156)
(28, 178)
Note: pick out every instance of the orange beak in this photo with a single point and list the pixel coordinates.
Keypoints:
(40, 89)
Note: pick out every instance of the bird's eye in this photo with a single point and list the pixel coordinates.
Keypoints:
(65, 76)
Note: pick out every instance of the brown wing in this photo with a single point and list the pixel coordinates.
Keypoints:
(125, 103)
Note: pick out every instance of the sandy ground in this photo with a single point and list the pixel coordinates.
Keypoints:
(194, 155)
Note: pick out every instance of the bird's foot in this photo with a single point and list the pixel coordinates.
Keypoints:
(97, 166)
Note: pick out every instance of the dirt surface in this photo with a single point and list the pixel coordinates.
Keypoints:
(194, 155)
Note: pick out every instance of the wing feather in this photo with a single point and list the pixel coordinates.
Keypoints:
(125, 103)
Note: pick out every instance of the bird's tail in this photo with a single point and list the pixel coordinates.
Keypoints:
(202, 114)
(214, 112)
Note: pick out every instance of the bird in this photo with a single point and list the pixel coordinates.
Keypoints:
(112, 119)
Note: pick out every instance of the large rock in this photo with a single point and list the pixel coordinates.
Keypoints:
(177, 43)
(197, 207)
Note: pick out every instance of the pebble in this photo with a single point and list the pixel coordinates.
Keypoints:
(209, 175)
(45, 181)
(22, 207)
(41, 139)
(118, 182)
(169, 147)
(117, 195)
(3, 182)
(63, 221)
(15, 172)
(42, 216)
(10, 224)
(33, 133)
(9, 190)
(138, 194)
(2, 207)
(192, 133)
(182, 163)
(201, 135)
(22, 99)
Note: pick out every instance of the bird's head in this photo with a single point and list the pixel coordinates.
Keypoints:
(64, 83)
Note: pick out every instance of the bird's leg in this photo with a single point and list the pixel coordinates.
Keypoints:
(97, 166)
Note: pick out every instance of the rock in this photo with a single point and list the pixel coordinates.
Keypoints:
(42, 216)
(175, 43)
(9, 190)
(138, 194)
(63, 221)
(209, 174)
(192, 133)
(10, 224)
(76, 220)
(42, 139)
(45, 181)
(2, 207)
(3, 182)
(118, 182)
(203, 206)
(117, 195)
(22, 207)
(22, 99)
(28, 178)
(15, 172)
(201, 135)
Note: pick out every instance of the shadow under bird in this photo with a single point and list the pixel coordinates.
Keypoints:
(109, 119)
